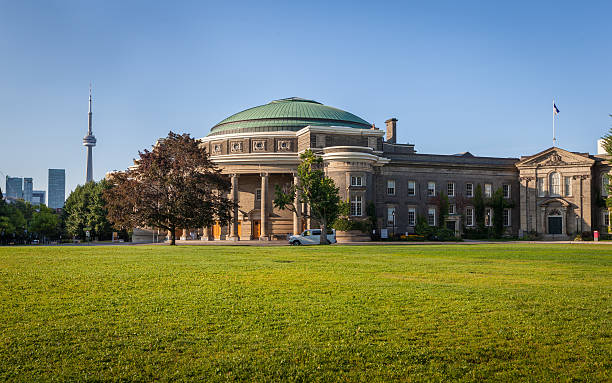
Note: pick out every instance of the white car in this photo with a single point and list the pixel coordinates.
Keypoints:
(312, 237)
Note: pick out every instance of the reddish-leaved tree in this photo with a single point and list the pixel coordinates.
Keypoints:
(174, 185)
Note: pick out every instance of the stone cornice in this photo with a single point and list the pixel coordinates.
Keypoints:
(341, 130)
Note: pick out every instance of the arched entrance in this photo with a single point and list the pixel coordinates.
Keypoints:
(553, 218)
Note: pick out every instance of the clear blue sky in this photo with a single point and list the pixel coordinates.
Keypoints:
(475, 76)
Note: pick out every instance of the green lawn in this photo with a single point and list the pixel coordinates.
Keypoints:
(357, 313)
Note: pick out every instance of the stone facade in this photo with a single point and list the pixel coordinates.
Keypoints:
(555, 194)
(416, 179)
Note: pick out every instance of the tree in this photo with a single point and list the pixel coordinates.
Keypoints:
(479, 208)
(443, 209)
(607, 141)
(85, 210)
(498, 203)
(315, 189)
(45, 222)
(172, 186)
(607, 145)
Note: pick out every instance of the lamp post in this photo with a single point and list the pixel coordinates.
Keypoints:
(393, 215)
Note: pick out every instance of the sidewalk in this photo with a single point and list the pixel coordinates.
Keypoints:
(398, 243)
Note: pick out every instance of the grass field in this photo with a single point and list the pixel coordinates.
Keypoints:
(358, 313)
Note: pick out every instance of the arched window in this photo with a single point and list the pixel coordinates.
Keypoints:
(555, 184)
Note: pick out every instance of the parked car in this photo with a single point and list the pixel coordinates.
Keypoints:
(312, 237)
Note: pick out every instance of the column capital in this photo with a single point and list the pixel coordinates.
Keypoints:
(264, 174)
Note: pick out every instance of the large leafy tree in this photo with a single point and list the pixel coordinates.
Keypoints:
(174, 185)
(316, 190)
(20, 222)
(607, 145)
(479, 208)
(85, 210)
(45, 222)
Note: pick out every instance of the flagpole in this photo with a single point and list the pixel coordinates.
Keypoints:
(553, 116)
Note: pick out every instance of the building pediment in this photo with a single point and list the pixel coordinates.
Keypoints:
(555, 157)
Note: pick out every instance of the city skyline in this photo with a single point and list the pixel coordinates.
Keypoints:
(451, 74)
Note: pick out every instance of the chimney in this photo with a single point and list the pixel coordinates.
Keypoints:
(600, 147)
(391, 130)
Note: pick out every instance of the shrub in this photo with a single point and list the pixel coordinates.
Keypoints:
(346, 224)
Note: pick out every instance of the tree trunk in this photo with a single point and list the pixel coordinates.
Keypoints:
(323, 239)
(173, 236)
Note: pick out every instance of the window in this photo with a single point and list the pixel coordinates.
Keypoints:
(554, 184)
(605, 182)
(506, 188)
(356, 205)
(411, 188)
(391, 187)
(488, 217)
(320, 140)
(469, 216)
(356, 181)
(258, 145)
(507, 216)
(431, 216)
(451, 208)
(469, 190)
(236, 146)
(411, 216)
(391, 216)
(284, 145)
(568, 186)
(431, 189)
(450, 189)
(258, 195)
(488, 190)
(606, 219)
(541, 191)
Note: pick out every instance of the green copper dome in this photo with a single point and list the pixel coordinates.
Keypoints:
(290, 114)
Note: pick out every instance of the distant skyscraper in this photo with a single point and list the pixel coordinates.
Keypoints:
(57, 188)
(89, 141)
(38, 197)
(14, 188)
(27, 189)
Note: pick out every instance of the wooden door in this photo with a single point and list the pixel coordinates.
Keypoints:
(217, 230)
(239, 229)
(555, 225)
(256, 229)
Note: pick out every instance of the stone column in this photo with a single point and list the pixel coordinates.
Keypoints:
(264, 211)
(524, 205)
(297, 215)
(206, 234)
(184, 236)
(564, 220)
(234, 223)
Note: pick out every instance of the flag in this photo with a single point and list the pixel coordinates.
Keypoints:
(555, 109)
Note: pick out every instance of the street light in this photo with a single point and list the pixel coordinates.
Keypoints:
(393, 215)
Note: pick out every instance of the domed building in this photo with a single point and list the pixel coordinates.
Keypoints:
(553, 193)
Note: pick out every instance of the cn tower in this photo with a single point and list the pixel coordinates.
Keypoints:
(90, 141)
